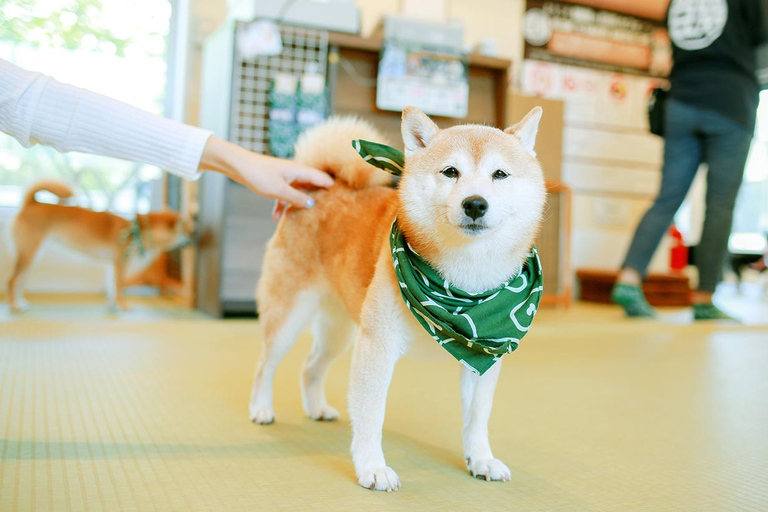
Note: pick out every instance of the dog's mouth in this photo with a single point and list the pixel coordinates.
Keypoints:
(473, 228)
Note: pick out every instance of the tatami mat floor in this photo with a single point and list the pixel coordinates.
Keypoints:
(148, 411)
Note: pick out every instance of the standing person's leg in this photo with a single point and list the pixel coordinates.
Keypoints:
(682, 156)
(726, 148)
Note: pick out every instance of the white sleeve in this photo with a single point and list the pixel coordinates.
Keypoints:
(35, 108)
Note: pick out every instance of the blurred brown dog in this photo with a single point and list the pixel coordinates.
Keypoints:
(101, 235)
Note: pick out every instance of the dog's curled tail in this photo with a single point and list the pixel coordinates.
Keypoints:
(328, 147)
(56, 188)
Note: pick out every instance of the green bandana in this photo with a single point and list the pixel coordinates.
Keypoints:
(384, 157)
(476, 329)
(131, 237)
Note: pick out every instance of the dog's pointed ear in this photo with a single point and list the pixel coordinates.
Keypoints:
(418, 130)
(527, 129)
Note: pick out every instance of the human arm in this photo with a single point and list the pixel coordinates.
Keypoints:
(35, 108)
(265, 175)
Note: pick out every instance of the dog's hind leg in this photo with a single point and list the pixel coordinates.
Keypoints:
(282, 320)
(25, 254)
(477, 401)
(332, 333)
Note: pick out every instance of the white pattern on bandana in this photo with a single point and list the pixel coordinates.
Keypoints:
(696, 24)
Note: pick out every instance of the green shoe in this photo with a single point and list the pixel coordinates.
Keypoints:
(710, 312)
(632, 299)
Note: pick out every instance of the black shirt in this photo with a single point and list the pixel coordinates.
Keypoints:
(713, 50)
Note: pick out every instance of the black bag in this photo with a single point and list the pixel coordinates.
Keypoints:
(657, 108)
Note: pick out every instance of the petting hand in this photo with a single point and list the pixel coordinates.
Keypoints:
(265, 175)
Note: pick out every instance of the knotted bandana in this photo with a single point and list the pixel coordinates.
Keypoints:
(131, 238)
(384, 157)
(476, 329)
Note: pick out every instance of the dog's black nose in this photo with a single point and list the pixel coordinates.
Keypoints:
(475, 207)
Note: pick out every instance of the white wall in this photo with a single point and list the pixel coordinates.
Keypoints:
(482, 19)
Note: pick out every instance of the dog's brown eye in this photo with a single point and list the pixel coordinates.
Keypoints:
(499, 174)
(450, 172)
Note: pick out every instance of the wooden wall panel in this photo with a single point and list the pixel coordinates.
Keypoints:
(597, 144)
(610, 179)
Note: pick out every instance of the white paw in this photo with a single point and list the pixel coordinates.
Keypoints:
(262, 415)
(379, 479)
(489, 469)
(21, 306)
(324, 413)
(115, 307)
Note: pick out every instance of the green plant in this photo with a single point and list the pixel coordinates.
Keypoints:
(68, 25)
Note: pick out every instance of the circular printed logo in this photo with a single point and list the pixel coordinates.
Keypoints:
(537, 27)
(696, 24)
(618, 89)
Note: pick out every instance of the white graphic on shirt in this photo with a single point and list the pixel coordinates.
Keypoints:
(696, 24)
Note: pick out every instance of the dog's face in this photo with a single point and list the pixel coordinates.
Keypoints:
(165, 230)
(471, 182)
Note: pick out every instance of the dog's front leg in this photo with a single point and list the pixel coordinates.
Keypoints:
(477, 401)
(115, 291)
(373, 362)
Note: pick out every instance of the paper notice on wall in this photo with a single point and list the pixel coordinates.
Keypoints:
(433, 80)
(591, 97)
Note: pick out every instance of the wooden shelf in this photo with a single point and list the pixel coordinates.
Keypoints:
(353, 68)
(353, 42)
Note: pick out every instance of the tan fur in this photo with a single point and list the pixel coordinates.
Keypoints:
(97, 234)
(348, 271)
(56, 188)
(336, 156)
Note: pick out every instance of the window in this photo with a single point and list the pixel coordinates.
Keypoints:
(750, 221)
(114, 47)
(750, 216)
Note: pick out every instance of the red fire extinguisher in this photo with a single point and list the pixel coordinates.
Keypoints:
(678, 254)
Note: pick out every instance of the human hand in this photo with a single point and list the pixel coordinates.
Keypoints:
(265, 175)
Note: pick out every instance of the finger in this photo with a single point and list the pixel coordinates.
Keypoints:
(295, 198)
(308, 175)
(279, 210)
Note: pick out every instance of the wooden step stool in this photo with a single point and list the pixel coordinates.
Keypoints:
(660, 289)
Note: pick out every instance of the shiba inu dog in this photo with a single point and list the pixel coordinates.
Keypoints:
(103, 235)
(469, 203)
